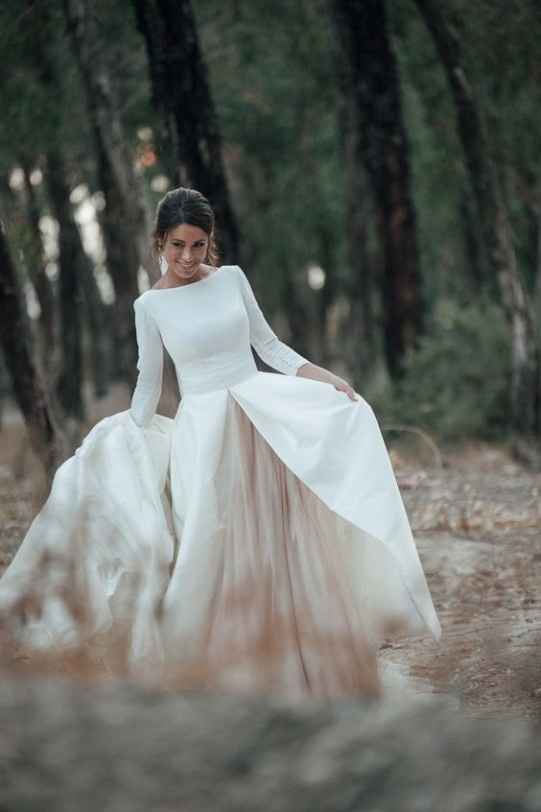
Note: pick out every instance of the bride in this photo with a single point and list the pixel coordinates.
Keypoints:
(260, 532)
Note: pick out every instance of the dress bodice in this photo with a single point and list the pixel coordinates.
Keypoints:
(207, 328)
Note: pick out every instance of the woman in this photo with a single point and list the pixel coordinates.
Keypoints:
(261, 530)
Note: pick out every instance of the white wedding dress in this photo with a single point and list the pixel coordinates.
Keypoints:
(264, 516)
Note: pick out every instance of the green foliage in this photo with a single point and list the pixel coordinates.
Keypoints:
(275, 88)
(273, 75)
(457, 382)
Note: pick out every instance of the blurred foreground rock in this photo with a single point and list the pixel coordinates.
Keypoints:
(114, 747)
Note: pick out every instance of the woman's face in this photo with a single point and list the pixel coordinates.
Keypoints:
(185, 248)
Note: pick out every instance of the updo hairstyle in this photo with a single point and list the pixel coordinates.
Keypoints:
(184, 206)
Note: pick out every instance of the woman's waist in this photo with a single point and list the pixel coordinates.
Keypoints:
(215, 373)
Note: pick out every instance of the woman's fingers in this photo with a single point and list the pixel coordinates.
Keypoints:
(345, 387)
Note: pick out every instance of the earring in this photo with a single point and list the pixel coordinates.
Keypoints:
(164, 267)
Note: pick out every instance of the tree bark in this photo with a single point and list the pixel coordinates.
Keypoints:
(534, 212)
(370, 80)
(361, 335)
(473, 246)
(76, 277)
(38, 276)
(70, 383)
(124, 219)
(98, 325)
(80, 300)
(497, 245)
(182, 96)
(30, 393)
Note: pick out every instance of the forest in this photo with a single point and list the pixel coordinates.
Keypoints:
(374, 167)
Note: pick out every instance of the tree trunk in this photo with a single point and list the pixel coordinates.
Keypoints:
(535, 253)
(29, 390)
(80, 300)
(76, 273)
(182, 96)
(497, 246)
(38, 276)
(98, 326)
(361, 335)
(473, 246)
(70, 383)
(124, 219)
(370, 79)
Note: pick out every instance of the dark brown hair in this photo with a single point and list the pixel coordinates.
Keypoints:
(185, 206)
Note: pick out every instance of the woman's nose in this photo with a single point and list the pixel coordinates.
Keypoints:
(186, 253)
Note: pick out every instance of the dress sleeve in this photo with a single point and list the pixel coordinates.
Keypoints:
(265, 342)
(150, 365)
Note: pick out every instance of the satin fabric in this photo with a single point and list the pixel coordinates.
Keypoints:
(265, 519)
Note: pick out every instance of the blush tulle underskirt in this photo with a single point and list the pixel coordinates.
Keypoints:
(279, 604)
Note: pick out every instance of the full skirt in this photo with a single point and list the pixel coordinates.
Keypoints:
(256, 540)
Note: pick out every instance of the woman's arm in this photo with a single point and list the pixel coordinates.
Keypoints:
(277, 354)
(262, 337)
(150, 365)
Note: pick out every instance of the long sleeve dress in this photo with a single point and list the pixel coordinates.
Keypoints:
(260, 532)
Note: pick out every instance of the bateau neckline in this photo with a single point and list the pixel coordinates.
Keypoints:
(189, 284)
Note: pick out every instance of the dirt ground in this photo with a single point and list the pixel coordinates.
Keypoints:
(476, 516)
(477, 523)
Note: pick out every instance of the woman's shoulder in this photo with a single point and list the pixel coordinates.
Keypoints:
(146, 296)
(140, 301)
(210, 270)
